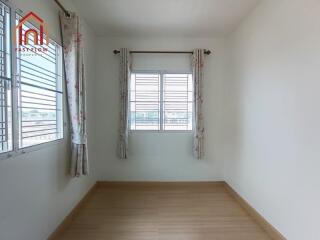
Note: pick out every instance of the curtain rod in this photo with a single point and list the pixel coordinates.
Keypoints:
(207, 52)
(66, 12)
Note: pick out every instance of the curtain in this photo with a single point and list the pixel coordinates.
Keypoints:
(76, 95)
(124, 102)
(198, 139)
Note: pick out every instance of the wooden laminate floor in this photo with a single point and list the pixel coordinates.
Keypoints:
(183, 212)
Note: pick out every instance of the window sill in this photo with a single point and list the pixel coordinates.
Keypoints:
(7, 155)
(161, 131)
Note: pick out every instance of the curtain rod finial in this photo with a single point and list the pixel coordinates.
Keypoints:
(116, 51)
(208, 52)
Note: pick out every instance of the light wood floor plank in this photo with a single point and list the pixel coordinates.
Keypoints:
(162, 213)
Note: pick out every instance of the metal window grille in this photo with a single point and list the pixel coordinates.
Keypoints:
(39, 86)
(161, 101)
(5, 80)
(145, 102)
(177, 102)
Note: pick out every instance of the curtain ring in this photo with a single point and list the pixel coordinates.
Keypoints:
(67, 14)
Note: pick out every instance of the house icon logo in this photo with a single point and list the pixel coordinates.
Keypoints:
(39, 36)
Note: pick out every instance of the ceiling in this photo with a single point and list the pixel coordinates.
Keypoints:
(167, 18)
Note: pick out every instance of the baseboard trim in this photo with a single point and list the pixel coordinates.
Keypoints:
(112, 184)
(67, 220)
(267, 227)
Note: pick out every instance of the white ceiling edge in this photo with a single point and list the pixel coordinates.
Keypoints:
(118, 25)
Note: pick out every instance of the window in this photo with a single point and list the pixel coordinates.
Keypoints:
(39, 81)
(161, 101)
(30, 89)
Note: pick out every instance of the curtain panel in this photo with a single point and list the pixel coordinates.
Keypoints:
(124, 103)
(76, 95)
(198, 138)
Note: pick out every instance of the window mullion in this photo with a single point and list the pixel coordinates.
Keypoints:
(4, 91)
(59, 121)
(135, 103)
(129, 102)
(161, 103)
(14, 64)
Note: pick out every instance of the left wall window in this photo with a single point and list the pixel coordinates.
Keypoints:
(31, 91)
(6, 143)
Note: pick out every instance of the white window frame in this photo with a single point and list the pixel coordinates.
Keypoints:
(16, 150)
(161, 130)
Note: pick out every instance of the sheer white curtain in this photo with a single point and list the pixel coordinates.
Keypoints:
(198, 140)
(74, 75)
(124, 102)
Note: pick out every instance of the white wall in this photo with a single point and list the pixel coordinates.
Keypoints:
(156, 156)
(272, 116)
(36, 192)
(261, 117)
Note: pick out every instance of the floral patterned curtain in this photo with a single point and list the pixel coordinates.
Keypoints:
(124, 102)
(198, 140)
(74, 75)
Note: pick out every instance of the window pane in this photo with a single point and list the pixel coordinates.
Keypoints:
(39, 95)
(5, 81)
(177, 102)
(145, 102)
